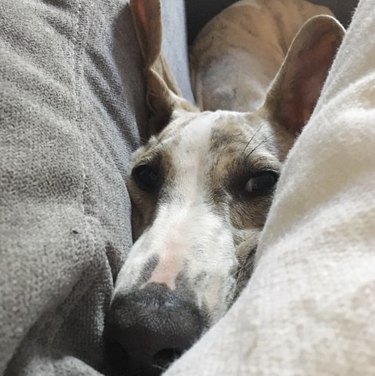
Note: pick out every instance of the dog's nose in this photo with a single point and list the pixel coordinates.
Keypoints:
(149, 328)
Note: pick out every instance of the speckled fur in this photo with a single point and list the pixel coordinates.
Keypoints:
(202, 226)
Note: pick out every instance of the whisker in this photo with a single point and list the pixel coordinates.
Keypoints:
(245, 270)
(249, 261)
(143, 140)
(252, 137)
(257, 146)
(159, 367)
(159, 141)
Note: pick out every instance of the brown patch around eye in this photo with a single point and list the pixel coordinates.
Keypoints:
(238, 182)
(261, 183)
(157, 168)
(248, 209)
(147, 177)
(145, 202)
(251, 213)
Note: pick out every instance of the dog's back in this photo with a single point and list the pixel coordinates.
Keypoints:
(237, 54)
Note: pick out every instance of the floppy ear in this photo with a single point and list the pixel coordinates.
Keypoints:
(163, 93)
(297, 86)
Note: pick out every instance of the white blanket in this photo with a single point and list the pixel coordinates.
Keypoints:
(309, 308)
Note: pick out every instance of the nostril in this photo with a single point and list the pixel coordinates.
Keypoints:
(165, 357)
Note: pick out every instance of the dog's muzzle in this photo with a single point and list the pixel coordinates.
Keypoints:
(149, 328)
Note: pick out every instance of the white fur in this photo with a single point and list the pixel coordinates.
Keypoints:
(186, 233)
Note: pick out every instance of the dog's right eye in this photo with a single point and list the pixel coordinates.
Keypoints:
(261, 182)
(147, 177)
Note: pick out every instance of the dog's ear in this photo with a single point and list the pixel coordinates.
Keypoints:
(297, 86)
(163, 93)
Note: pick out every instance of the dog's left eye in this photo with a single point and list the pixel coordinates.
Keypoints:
(147, 177)
(261, 182)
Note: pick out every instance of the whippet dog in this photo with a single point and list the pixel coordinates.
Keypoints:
(202, 185)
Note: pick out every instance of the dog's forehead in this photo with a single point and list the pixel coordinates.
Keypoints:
(200, 138)
(207, 131)
(194, 129)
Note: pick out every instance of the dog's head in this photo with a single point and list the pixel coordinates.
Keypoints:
(201, 189)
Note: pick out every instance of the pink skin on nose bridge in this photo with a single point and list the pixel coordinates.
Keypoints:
(170, 264)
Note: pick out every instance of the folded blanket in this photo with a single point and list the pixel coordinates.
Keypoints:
(309, 308)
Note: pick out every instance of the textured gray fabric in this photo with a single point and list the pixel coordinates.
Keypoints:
(174, 44)
(71, 96)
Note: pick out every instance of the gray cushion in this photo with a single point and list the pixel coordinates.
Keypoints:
(71, 101)
(174, 44)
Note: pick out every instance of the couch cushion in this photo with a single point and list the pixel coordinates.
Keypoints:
(71, 111)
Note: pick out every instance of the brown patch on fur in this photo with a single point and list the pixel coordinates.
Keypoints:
(144, 204)
(235, 159)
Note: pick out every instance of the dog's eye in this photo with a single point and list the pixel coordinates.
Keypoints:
(261, 182)
(147, 177)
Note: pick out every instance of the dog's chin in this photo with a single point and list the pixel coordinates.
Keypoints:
(120, 363)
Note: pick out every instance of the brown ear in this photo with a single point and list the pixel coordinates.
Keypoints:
(163, 93)
(296, 88)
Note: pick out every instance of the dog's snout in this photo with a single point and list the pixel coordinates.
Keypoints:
(149, 328)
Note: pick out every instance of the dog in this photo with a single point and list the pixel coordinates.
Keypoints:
(251, 36)
(202, 185)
